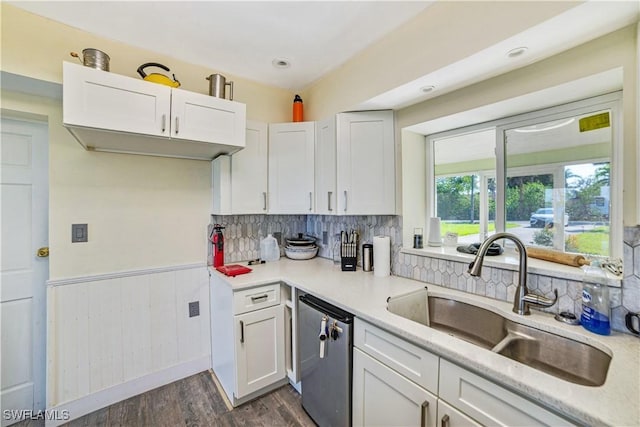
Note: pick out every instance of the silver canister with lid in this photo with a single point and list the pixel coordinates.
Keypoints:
(367, 257)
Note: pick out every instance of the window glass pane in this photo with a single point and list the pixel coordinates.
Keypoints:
(587, 204)
(465, 185)
(557, 183)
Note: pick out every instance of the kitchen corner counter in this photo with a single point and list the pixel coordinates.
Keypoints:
(365, 295)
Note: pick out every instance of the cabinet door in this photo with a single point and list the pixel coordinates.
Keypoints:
(198, 117)
(366, 163)
(382, 397)
(99, 99)
(490, 403)
(259, 349)
(450, 417)
(291, 167)
(249, 172)
(326, 167)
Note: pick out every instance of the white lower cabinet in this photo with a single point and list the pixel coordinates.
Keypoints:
(383, 397)
(398, 383)
(259, 348)
(490, 403)
(448, 416)
(247, 339)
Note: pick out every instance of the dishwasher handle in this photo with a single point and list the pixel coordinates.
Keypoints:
(326, 308)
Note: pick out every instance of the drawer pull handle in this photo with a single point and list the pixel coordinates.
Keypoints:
(241, 332)
(259, 298)
(445, 421)
(423, 414)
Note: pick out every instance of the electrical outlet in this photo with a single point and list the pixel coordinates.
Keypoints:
(194, 309)
(278, 236)
(79, 233)
(325, 238)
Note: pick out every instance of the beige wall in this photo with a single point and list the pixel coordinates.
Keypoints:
(146, 211)
(34, 46)
(615, 50)
(444, 33)
(142, 211)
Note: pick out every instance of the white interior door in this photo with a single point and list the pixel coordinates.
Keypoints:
(23, 274)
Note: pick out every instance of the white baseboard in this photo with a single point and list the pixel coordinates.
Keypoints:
(92, 402)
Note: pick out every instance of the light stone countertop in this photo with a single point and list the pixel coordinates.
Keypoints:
(616, 402)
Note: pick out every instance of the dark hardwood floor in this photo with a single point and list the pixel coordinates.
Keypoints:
(195, 401)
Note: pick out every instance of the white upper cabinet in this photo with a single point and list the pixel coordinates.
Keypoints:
(249, 172)
(99, 99)
(326, 167)
(206, 118)
(366, 181)
(291, 168)
(115, 113)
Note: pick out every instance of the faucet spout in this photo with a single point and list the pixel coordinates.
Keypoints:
(522, 298)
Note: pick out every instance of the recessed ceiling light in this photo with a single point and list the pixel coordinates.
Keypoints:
(427, 89)
(281, 63)
(517, 52)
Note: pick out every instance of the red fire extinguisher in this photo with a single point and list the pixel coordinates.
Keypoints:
(218, 245)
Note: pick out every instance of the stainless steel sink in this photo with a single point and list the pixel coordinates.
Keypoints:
(559, 356)
(556, 355)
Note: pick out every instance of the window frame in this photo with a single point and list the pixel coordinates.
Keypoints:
(611, 102)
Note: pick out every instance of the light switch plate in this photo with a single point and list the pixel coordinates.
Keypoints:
(194, 309)
(79, 233)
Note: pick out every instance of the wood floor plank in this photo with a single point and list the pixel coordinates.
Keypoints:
(196, 402)
(130, 412)
(164, 406)
(211, 392)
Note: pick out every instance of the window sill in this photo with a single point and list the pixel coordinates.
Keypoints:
(509, 261)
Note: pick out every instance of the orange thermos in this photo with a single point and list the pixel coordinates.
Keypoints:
(297, 109)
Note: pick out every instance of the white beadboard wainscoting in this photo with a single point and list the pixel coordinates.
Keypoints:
(113, 336)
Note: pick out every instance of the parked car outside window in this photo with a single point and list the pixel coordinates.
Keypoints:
(543, 217)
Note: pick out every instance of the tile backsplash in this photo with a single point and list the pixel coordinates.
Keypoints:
(244, 232)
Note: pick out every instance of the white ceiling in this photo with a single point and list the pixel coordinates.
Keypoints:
(244, 37)
(240, 37)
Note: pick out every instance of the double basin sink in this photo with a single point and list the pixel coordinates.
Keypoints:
(553, 354)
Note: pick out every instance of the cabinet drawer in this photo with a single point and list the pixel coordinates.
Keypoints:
(413, 362)
(489, 403)
(256, 298)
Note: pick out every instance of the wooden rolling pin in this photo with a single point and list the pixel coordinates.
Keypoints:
(573, 260)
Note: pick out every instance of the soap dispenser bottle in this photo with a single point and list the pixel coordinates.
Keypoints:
(595, 301)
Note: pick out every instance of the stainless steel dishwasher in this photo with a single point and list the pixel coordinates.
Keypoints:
(325, 336)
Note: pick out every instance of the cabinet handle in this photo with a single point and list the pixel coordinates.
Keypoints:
(310, 201)
(329, 193)
(345, 200)
(164, 122)
(177, 124)
(445, 421)
(423, 414)
(241, 332)
(264, 197)
(259, 298)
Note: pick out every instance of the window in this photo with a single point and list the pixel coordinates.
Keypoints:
(544, 176)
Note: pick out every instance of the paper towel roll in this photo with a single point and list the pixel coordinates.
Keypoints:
(381, 256)
(435, 239)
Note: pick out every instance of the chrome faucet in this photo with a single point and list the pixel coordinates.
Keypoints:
(522, 298)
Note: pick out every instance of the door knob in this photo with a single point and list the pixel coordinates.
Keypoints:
(43, 252)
